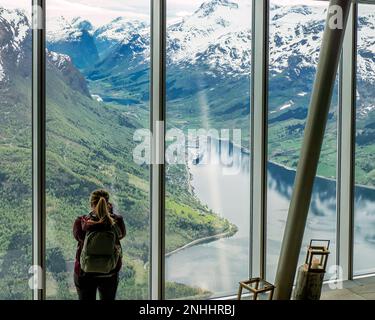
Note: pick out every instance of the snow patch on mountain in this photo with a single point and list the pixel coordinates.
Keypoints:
(14, 33)
(63, 30)
(218, 32)
(295, 37)
(2, 73)
(18, 23)
(287, 105)
(119, 30)
(69, 73)
(61, 61)
(97, 97)
(83, 24)
(366, 47)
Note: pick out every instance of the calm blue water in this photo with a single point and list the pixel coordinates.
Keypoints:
(224, 187)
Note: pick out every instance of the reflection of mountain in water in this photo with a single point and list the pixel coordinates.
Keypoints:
(365, 213)
(282, 180)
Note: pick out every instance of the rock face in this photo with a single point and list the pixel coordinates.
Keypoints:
(62, 64)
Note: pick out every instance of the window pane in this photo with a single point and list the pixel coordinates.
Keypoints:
(364, 248)
(97, 97)
(15, 150)
(207, 201)
(295, 38)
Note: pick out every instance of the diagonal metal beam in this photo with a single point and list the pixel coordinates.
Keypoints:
(311, 148)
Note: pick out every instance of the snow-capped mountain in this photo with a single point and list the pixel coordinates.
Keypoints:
(366, 66)
(15, 40)
(101, 39)
(16, 53)
(83, 24)
(295, 37)
(120, 30)
(218, 32)
(62, 64)
(74, 39)
(215, 39)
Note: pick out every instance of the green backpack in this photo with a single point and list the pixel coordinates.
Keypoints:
(101, 252)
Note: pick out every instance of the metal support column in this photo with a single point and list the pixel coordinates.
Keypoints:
(346, 147)
(311, 147)
(157, 174)
(258, 124)
(39, 148)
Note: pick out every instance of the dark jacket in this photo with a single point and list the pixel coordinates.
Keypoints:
(82, 225)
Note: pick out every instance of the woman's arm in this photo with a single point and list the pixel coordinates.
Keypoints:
(121, 224)
(78, 233)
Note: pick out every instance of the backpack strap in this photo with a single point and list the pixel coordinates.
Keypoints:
(117, 230)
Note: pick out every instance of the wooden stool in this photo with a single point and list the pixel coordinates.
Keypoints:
(256, 286)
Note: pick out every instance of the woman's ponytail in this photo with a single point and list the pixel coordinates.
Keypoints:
(103, 213)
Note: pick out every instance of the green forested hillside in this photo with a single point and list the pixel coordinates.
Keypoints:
(89, 146)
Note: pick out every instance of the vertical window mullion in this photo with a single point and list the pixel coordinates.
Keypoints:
(347, 147)
(157, 167)
(39, 147)
(258, 123)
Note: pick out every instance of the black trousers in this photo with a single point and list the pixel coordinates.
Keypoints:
(87, 285)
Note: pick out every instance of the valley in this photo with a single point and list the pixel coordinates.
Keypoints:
(97, 96)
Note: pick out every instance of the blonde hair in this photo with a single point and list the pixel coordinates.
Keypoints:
(99, 201)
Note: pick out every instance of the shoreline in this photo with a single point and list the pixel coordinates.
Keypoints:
(246, 151)
(208, 239)
(233, 230)
(356, 185)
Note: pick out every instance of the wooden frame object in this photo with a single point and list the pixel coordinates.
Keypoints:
(320, 252)
(256, 286)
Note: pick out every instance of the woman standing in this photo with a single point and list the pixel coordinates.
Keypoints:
(99, 255)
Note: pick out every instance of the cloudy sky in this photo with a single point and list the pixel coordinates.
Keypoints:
(102, 11)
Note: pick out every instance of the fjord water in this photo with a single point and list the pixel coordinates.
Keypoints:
(218, 266)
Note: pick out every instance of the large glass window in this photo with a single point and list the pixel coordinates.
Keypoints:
(208, 105)
(296, 32)
(364, 232)
(98, 92)
(98, 63)
(15, 150)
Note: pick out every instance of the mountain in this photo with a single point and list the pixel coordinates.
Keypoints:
(73, 39)
(216, 36)
(366, 64)
(15, 39)
(216, 39)
(62, 64)
(89, 146)
(209, 66)
(208, 73)
(118, 31)
(208, 85)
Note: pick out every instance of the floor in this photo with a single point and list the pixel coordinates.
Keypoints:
(359, 289)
